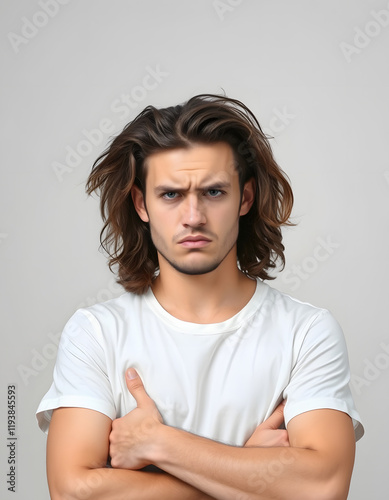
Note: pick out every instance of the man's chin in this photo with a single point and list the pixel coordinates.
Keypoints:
(196, 263)
(195, 271)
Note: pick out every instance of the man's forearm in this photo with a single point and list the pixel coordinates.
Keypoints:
(231, 473)
(117, 484)
(317, 464)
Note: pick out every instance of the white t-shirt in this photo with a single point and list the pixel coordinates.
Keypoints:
(216, 380)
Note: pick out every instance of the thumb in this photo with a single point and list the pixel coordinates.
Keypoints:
(136, 387)
(276, 418)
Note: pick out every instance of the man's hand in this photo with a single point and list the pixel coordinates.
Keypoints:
(132, 435)
(268, 434)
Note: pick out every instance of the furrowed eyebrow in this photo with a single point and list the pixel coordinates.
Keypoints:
(217, 185)
(166, 189)
(171, 189)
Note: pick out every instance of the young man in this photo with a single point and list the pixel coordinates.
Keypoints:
(196, 367)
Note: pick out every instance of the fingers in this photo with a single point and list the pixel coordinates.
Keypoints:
(276, 418)
(136, 387)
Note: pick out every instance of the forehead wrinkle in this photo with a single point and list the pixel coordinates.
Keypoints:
(210, 169)
(197, 166)
(195, 180)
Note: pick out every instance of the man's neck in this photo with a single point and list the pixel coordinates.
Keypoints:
(208, 298)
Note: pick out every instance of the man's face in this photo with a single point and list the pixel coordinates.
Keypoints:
(193, 205)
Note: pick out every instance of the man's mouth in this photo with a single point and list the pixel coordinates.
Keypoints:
(197, 241)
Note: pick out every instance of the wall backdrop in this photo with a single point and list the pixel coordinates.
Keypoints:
(314, 72)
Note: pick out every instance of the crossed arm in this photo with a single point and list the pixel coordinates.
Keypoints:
(312, 460)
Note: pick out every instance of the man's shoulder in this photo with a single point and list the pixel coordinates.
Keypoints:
(290, 317)
(115, 312)
(283, 301)
(125, 299)
(281, 308)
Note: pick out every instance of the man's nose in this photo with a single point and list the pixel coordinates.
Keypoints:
(193, 212)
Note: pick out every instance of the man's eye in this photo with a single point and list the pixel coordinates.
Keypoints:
(171, 195)
(214, 193)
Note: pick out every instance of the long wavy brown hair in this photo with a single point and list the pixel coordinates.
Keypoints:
(203, 119)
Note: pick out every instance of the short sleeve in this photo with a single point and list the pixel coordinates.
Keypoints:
(80, 376)
(320, 375)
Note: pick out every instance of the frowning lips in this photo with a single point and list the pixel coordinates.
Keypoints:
(195, 241)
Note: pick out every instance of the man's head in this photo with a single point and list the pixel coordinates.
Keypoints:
(192, 202)
(201, 171)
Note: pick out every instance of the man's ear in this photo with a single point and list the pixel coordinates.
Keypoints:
(139, 203)
(248, 196)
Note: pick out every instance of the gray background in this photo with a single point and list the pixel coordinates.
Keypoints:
(316, 75)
